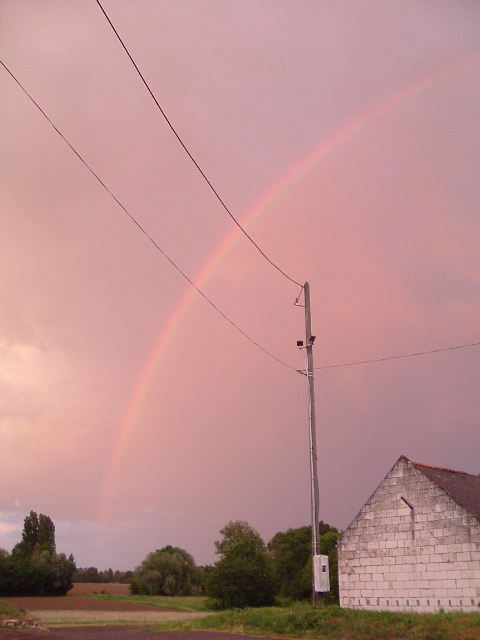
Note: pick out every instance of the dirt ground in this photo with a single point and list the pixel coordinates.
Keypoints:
(88, 588)
(73, 611)
(77, 610)
(69, 603)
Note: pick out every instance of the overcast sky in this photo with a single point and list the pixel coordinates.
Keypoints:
(345, 136)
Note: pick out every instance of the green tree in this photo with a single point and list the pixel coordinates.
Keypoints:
(38, 533)
(29, 536)
(243, 577)
(46, 533)
(291, 556)
(235, 531)
(328, 547)
(290, 551)
(87, 574)
(170, 571)
(34, 568)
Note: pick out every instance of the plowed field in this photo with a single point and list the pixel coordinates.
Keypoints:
(78, 609)
(77, 603)
(87, 588)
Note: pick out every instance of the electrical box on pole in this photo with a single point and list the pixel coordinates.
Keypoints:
(321, 574)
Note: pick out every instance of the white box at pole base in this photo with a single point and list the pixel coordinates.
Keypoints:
(321, 574)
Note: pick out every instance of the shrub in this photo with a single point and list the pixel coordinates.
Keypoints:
(243, 577)
(170, 571)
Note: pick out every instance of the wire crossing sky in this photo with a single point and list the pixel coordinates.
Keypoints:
(144, 231)
(341, 365)
(188, 152)
(348, 138)
(183, 274)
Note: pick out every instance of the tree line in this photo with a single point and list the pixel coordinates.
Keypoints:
(249, 572)
(93, 575)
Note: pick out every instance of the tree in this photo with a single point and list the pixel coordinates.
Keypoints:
(46, 533)
(235, 531)
(291, 555)
(243, 577)
(170, 571)
(34, 568)
(87, 574)
(38, 533)
(290, 551)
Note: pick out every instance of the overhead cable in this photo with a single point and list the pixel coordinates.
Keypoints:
(142, 229)
(397, 357)
(190, 155)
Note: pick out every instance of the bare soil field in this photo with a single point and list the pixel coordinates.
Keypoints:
(76, 603)
(89, 588)
(78, 609)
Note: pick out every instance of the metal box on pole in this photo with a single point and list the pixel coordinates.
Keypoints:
(321, 573)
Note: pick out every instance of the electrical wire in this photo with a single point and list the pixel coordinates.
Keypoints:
(142, 229)
(199, 291)
(397, 357)
(190, 155)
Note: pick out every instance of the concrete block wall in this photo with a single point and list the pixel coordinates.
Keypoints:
(411, 548)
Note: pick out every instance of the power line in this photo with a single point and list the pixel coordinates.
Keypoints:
(204, 296)
(190, 155)
(397, 357)
(142, 229)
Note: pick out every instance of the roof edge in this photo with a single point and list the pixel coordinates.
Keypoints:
(429, 466)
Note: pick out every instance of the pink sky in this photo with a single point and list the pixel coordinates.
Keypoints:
(384, 225)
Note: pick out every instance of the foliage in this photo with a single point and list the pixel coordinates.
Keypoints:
(34, 568)
(290, 552)
(9, 610)
(334, 623)
(38, 535)
(204, 572)
(170, 571)
(93, 575)
(292, 562)
(235, 531)
(243, 577)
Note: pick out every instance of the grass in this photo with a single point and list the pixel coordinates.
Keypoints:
(172, 603)
(334, 623)
(8, 610)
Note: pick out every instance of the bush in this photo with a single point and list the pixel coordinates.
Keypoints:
(170, 571)
(243, 578)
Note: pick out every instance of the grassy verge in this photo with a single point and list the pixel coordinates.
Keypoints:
(333, 623)
(172, 603)
(8, 610)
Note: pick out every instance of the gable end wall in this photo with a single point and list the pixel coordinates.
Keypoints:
(396, 558)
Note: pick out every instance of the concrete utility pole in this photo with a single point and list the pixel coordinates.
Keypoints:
(309, 340)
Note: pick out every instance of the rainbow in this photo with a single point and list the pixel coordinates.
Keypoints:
(272, 195)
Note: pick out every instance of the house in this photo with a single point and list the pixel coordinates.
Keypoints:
(415, 545)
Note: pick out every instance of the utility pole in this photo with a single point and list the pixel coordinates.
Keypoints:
(309, 340)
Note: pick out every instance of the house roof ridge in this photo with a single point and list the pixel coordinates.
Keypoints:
(431, 466)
